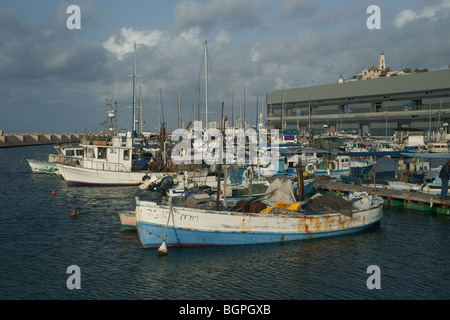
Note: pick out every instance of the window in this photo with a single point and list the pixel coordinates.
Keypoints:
(90, 153)
(101, 153)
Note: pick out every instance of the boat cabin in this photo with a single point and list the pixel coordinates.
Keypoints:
(117, 155)
(438, 147)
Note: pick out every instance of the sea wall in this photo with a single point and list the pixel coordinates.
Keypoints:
(8, 140)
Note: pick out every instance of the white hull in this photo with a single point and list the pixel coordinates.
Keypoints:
(39, 166)
(75, 175)
(404, 186)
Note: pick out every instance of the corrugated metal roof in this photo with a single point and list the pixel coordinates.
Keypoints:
(417, 82)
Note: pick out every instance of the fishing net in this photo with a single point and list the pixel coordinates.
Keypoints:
(328, 203)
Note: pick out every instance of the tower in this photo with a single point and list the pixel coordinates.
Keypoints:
(382, 65)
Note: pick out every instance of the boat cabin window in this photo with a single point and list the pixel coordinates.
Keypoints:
(90, 153)
(79, 152)
(126, 154)
(101, 153)
(70, 152)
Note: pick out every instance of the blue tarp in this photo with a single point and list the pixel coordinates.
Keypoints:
(289, 132)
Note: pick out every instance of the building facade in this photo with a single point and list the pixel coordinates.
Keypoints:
(375, 106)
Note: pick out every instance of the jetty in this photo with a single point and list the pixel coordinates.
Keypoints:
(408, 199)
(9, 140)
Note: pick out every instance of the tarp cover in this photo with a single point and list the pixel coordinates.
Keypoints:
(283, 192)
(328, 203)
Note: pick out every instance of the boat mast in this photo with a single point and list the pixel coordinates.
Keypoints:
(134, 94)
(159, 110)
(179, 108)
(140, 110)
(282, 106)
(206, 82)
(234, 104)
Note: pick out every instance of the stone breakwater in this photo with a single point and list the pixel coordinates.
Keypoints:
(31, 139)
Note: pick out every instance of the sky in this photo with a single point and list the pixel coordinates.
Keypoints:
(56, 80)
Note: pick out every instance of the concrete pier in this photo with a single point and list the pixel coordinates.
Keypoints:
(8, 140)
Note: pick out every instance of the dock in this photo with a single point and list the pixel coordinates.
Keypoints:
(409, 199)
(9, 140)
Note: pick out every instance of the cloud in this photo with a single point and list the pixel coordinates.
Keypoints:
(33, 50)
(233, 14)
(295, 9)
(48, 70)
(433, 13)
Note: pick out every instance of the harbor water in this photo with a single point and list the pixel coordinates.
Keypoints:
(39, 240)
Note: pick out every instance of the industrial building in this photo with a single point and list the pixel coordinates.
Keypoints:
(375, 106)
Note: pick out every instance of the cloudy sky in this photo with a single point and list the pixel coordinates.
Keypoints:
(53, 79)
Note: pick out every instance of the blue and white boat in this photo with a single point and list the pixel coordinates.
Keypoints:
(182, 226)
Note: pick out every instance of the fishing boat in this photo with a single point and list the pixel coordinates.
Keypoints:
(39, 165)
(438, 147)
(112, 162)
(45, 163)
(128, 220)
(183, 226)
(330, 167)
(119, 161)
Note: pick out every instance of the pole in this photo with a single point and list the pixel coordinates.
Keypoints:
(134, 94)
(300, 182)
(179, 108)
(206, 82)
(219, 168)
(234, 106)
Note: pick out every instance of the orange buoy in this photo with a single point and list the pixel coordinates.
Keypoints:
(53, 192)
(70, 200)
(74, 213)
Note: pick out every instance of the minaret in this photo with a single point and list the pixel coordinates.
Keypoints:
(382, 62)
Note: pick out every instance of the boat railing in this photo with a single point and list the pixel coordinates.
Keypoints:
(91, 164)
(40, 156)
(104, 166)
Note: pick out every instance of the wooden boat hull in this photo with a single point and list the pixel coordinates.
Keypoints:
(128, 220)
(197, 227)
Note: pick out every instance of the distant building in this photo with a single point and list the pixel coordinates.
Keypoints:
(374, 72)
(375, 106)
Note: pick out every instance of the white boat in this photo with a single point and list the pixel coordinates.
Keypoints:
(45, 163)
(416, 187)
(40, 165)
(433, 187)
(121, 161)
(336, 167)
(107, 163)
(182, 226)
(438, 147)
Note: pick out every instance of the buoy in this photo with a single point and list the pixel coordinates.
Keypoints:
(74, 213)
(70, 200)
(162, 250)
(53, 192)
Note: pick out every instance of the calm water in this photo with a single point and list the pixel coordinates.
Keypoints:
(39, 240)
